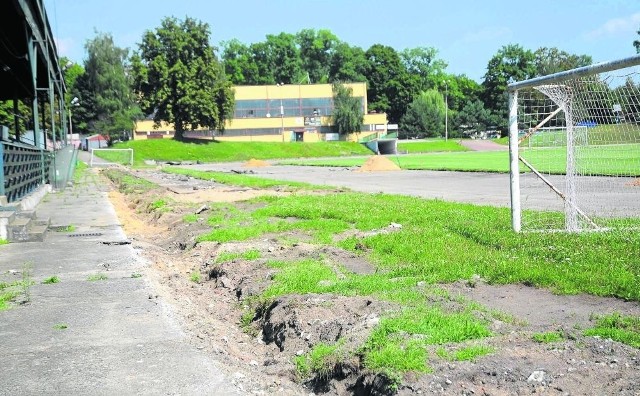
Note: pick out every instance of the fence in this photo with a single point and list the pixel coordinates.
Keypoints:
(23, 169)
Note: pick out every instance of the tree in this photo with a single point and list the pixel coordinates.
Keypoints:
(179, 78)
(473, 117)
(510, 63)
(423, 64)
(636, 43)
(390, 87)
(425, 116)
(106, 102)
(239, 64)
(348, 64)
(552, 60)
(347, 115)
(316, 51)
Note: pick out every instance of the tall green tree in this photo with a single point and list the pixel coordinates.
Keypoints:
(636, 43)
(104, 90)
(473, 117)
(390, 87)
(179, 78)
(510, 63)
(348, 64)
(552, 60)
(316, 51)
(425, 116)
(347, 114)
(424, 65)
(239, 64)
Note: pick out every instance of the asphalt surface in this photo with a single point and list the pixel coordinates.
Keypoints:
(119, 337)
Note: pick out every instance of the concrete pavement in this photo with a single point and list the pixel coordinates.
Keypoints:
(119, 338)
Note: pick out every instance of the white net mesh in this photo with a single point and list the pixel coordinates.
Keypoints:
(579, 152)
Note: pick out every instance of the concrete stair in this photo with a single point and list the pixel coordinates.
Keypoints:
(23, 226)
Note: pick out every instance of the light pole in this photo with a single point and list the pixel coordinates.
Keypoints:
(74, 102)
(281, 110)
(446, 110)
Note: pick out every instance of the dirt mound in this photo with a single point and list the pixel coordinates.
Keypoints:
(255, 163)
(378, 163)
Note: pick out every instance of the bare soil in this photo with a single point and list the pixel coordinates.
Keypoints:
(378, 163)
(259, 354)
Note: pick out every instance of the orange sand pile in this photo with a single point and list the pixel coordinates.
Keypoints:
(378, 163)
(254, 163)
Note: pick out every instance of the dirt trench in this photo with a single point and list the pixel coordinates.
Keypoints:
(257, 343)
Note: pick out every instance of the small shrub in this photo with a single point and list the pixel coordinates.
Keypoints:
(97, 277)
(546, 338)
(53, 279)
(195, 277)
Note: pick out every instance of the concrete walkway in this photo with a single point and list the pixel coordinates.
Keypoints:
(119, 338)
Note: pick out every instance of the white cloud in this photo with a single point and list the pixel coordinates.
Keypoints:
(616, 26)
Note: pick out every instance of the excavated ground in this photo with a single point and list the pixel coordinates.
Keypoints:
(259, 354)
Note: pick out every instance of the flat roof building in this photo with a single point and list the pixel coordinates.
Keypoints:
(280, 113)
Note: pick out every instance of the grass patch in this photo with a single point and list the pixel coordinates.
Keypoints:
(465, 353)
(320, 361)
(6, 297)
(244, 180)
(80, 171)
(249, 255)
(136, 275)
(51, 280)
(458, 241)
(60, 326)
(548, 337)
(195, 277)
(190, 218)
(127, 183)
(213, 151)
(431, 146)
(624, 329)
(3, 242)
(67, 228)
(159, 205)
(97, 277)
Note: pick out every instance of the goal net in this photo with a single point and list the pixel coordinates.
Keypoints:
(575, 149)
(101, 157)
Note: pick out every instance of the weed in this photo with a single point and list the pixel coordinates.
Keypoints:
(6, 297)
(26, 281)
(249, 255)
(195, 277)
(50, 280)
(245, 323)
(60, 326)
(190, 218)
(320, 361)
(97, 277)
(136, 275)
(67, 228)
(624, 329)
(3, 242)
(548, 337)
(158, 204)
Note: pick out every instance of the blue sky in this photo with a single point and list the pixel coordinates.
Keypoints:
(466, 33)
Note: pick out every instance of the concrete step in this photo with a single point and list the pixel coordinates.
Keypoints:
(31, 214)
(6, 217)
(42, 221)
(18, 230)
(37, 233)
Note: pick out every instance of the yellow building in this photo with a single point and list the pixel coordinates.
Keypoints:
(279, 113)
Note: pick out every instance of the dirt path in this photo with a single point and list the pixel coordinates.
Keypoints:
(259, 356)
(483, 145)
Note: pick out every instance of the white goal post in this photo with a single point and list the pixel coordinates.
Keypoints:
(111, 157)
(574, 143)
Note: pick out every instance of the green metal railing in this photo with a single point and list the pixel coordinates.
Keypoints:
(23, 169)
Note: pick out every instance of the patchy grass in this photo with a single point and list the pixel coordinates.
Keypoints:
(190, 218)
(51, 280)
(3, 242)
(60, 326)
(127, 183)
(213, 151)
(465, 353)
(624, 329)
(97, 277)
(244, 180)
(195, 277)
(249, 255)
(67, 228)
(457, 241)
(548, 337)
(320, 361)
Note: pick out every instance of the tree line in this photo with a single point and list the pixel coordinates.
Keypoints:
(176, 75)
